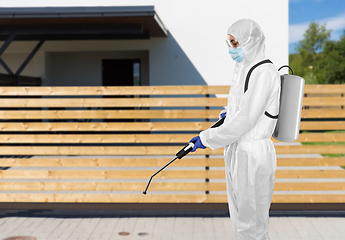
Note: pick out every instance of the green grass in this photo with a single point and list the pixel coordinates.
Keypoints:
(323, 143)
(327, 143)
(337, 131)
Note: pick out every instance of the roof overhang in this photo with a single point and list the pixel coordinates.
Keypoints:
(81, 23)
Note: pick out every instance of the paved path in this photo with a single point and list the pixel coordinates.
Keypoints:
(98, 225)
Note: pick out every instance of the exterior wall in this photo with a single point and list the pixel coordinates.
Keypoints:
(194, 53)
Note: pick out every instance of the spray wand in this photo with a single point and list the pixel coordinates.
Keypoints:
(183, 152)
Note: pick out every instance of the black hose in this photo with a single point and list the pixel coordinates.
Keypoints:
(288, 67)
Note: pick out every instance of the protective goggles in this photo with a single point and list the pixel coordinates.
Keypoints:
(232, 43)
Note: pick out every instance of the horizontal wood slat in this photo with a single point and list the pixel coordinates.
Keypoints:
(320, 137)
(159, 186)
(320, 161)
(166, 150)
(95, 91)
(109, 186)
(310, 149)
(166, 198)
(289, 198)
(309, 186)
(106, 114)
(146, 90)
(134, 151)
(100, 126)
(114, 102)
(323, 113)
(146, 102)
(324, 89)
(141, 138)
(96, 138)
(141, 126)
(111, 162)
(145, 174)
(155, 162)
(310, 174)
(111, 174)
(323, 101)
(324, 125)
(102, 198)
(144, 114)
(309, 198)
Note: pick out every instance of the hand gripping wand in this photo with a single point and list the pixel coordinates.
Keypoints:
(183, 152)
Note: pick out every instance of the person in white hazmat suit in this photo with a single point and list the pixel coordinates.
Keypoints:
(249, 154)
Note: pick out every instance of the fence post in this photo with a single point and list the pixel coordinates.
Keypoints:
(207, 167)
(305, 107)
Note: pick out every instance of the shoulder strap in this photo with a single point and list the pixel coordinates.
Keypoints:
(251, 70)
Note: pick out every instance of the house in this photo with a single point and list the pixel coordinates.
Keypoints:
(130, 43)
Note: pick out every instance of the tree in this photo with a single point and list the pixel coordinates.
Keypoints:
(313, 42)
(309, 50)
(296, 63)
(333, 61)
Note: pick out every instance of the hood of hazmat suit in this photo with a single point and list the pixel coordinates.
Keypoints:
(249, 154)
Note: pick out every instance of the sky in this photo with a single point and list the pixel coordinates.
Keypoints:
(303, 12)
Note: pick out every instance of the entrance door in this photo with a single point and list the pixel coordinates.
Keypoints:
(121, 72)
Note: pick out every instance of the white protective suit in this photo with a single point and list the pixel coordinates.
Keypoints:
(249, 154)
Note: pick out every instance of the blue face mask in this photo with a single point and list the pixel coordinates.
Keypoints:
(236, 54)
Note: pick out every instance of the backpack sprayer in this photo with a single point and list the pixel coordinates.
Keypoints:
(288, 120)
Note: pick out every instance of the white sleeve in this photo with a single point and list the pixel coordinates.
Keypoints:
(254, 102)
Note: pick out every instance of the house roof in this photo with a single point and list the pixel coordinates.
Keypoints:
(81, 23)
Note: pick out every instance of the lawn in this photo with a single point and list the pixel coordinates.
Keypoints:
(327, 143)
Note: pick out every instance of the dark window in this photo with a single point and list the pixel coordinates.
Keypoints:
(121, 72)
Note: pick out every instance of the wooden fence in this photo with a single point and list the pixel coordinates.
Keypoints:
(101, 144)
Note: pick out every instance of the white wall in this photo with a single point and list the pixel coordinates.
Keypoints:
(194, 52)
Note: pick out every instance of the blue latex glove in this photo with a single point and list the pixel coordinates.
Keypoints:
(197, 144)
(223, 114)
